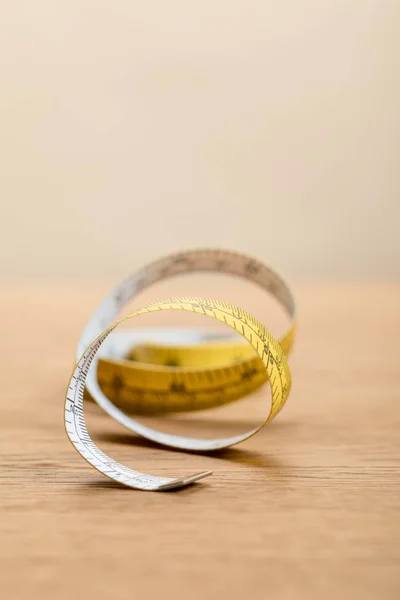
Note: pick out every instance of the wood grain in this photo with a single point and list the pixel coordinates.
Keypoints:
(308, 508)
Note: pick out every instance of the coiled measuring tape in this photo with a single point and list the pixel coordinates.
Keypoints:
(170, 387)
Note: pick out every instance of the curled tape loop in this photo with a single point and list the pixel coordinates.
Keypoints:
(269, 353)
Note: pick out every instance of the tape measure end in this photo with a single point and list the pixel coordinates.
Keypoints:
(180, 483)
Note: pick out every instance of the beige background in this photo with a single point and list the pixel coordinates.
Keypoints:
(129, 129)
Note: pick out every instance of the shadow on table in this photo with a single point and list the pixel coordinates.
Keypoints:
(250, 458)
(237, 455)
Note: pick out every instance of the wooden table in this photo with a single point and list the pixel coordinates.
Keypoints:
(309, 508)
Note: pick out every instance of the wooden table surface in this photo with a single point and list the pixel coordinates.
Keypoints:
(309, 508)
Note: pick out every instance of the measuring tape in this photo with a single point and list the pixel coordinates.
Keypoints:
(148, 388)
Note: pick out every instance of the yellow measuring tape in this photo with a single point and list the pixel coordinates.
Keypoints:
(159, 379)
(155, 379)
